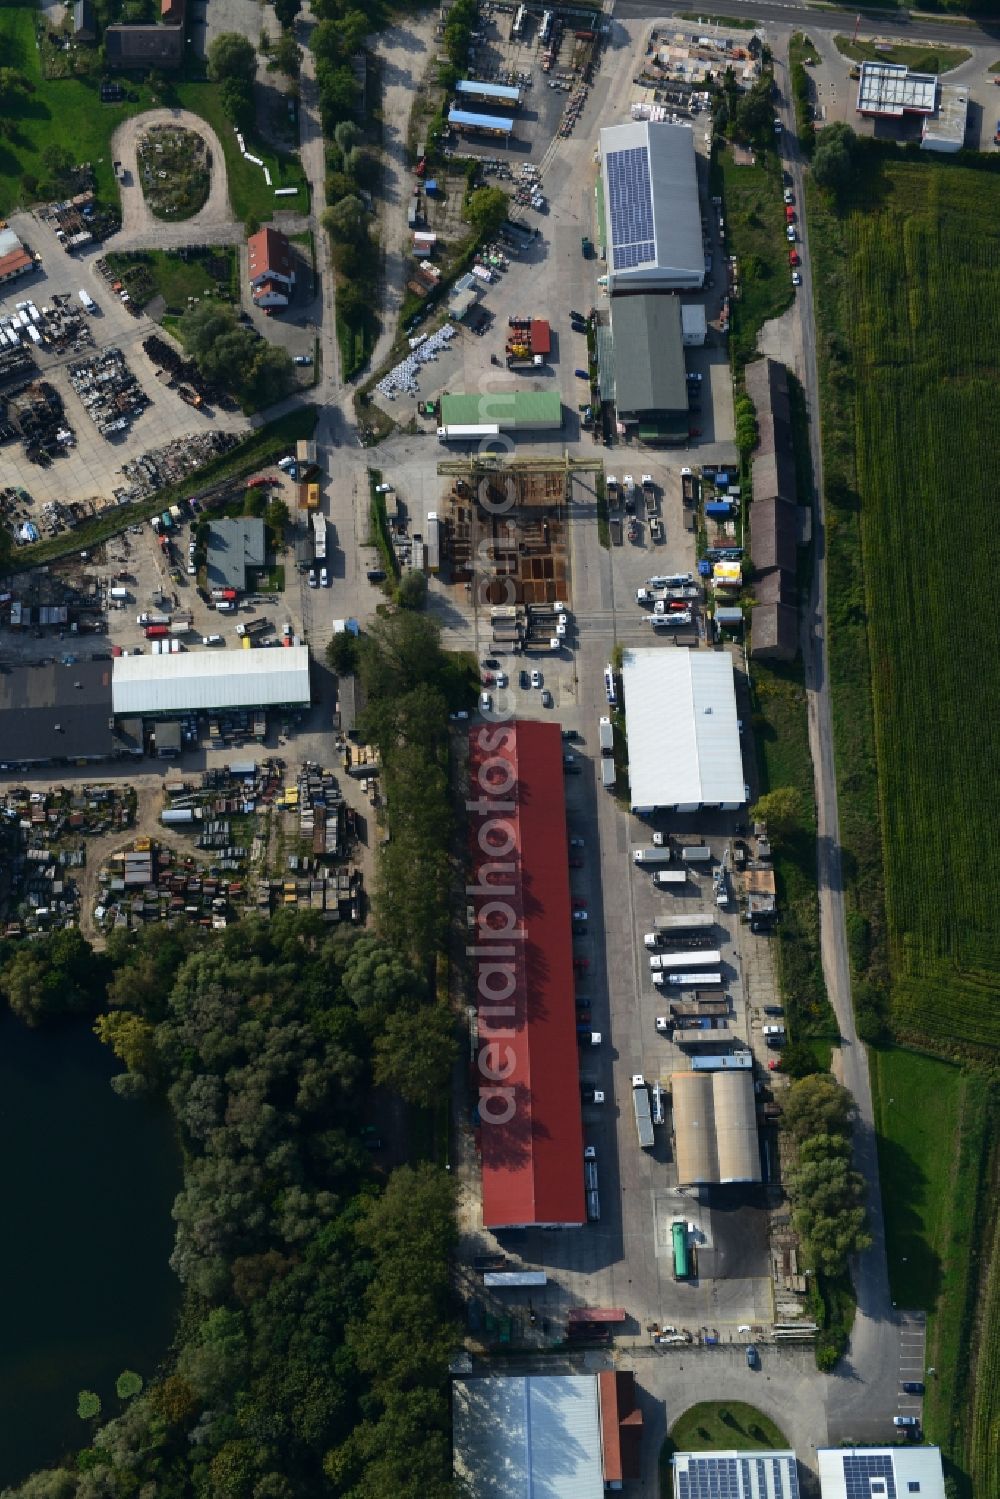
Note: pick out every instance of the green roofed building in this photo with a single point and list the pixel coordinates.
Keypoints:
(511, 410)
(650, 375)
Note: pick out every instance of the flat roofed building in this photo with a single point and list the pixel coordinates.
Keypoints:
(143, 46)
(621, 1427)
(650, 182)
(492, 93)
(880, 1473)
(890, 90)
(945, 130)
(735, 1475)
(234, 546)
(682, 728)
(511, 410)
(650, 374)
(54, 713)
(465, 119)
(528, 1437)
(715, 1128)
(530, 1124)
(148, 686)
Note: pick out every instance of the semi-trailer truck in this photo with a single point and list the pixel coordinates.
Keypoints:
(606, 735)
(670, 878)
(670, 962)
(689, 980)
(469, 432)
(253, 627)
(643, 1118)
(651, 855)
(696, 853)
(609, 775)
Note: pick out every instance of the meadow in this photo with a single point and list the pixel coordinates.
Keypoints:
(67, 112)
(907, 280)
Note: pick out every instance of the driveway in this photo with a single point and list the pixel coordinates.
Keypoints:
(141, 229)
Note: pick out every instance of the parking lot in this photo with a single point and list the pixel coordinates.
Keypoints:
(91, 470)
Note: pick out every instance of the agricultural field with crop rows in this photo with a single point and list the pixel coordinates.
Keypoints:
(923, 262)
(907, 281)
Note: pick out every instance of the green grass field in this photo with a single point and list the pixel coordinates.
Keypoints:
(717, 1425)
(922, 59)
(755, 229)
(907, 280)
(159, 273)
(66, 112)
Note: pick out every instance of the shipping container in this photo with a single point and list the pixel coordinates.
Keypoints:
(696, 853)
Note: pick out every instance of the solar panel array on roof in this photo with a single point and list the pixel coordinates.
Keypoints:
(631, 207)
(736, 1475)
(859, 1470)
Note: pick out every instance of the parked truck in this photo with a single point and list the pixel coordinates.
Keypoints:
(670, 879)
(696, 853)
(689, 491)
(643, 1118)
(606, 735)
(651, 855)
(89, 304)
(689, 980)
(669, 962)
(469, 432)
(609, 775)
(253, 627)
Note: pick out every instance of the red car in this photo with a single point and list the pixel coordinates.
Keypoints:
(579, 904)
(261, 483)
(793, 257)
(774, 1065)
(789, 213)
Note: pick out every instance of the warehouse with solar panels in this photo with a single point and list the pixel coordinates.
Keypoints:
(216, 682)
(649, 178)
(736, 1475)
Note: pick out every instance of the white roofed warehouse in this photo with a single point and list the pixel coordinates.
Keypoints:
(143, 686)
(652, 218)
(682, 728)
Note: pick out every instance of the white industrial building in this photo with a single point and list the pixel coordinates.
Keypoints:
(684, 749)
(736, 1475)
(210, 681)
(652, 216)
(945, 129)
(880, 1473)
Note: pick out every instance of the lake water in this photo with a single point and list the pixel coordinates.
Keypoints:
(88, 1183)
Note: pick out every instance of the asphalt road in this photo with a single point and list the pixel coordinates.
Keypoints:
(829, 19)
(861, 1398)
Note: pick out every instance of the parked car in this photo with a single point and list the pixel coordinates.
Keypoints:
(796, 278)
(913, 1387)
(547, 699)
(485, 703)
(536, 679)
(789, 195)
(906, 1421)
(753, 1357)
(324, 578)
(302, 359)
(313, 580)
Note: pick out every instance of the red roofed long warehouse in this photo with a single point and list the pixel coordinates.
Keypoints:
(530, 1126)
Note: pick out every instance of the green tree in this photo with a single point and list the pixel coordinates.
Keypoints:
(128, 1384)
(415, 1052)
(782, 809)
(232, 55)
(277, 516)
(346, 220)
(55, 976)
(14, 86)
(485, 209)
(411, 591)
(132, 1039)
(236, 96)
(832, 165)
(346, 136)
(88, 1405)
(286, 11)
(342, 653)
(287, 54)
(818, 1105)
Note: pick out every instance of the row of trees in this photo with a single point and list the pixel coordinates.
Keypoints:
(411, 684)
(312, 1352)
(827, 1194)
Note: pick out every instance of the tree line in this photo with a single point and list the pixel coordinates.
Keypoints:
(311, 1354)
